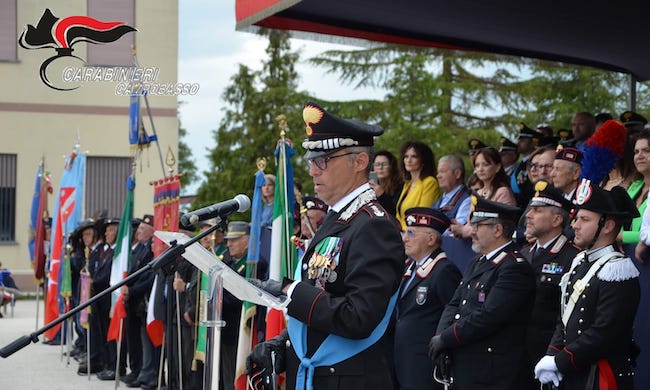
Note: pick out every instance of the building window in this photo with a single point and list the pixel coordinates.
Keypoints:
(116, 53)
(7, 198)
(106, 185)
(8, 31)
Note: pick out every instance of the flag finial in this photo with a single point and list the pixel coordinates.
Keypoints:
(282, 124)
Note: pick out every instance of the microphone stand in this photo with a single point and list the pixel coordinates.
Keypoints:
(163, 260)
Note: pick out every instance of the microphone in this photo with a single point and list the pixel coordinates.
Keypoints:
(240, 204)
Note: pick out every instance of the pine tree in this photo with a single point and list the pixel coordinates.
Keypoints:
(249, 129)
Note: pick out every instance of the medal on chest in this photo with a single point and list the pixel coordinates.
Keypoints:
(321, 266)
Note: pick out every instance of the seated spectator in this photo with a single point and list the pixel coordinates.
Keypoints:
(567, 167)
(388, 186)
(421, 187)
(455, 204)
(268, 195)
(494, 185)
(494, 180)
(7, 287)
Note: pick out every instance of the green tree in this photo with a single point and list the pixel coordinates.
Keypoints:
(249, 129)
(445, 97)
(442, 97)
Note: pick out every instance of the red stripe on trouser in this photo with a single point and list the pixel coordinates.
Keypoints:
(606, 380)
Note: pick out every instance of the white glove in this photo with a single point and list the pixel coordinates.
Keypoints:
(547, 363)
(550, 376)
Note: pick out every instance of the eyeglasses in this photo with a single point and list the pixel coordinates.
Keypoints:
(411, 234)
(381, 165)
(547, 167)
(321, 162)
(475, 226)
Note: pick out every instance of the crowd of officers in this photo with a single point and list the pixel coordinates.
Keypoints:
(547, 297)
(539, 293)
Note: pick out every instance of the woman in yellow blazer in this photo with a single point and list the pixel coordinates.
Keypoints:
(418, 167)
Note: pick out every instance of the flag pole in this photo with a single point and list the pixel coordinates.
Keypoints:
(178, 338)
(119, 353)
(146, 102)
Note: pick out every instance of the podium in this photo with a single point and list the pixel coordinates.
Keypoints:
(220, 276)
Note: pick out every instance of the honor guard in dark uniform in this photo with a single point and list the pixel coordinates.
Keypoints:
(509, 155)
(84, 236)
(427, 286)
(134, 294)
(592, 347)
(102, 352)
(474, 145)
(312, 217)
(520, 183)
(483, 326)
(346, 286)
(550, 254)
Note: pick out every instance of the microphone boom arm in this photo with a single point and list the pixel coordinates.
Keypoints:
(169, 255)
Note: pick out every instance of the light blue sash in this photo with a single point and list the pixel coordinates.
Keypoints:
(334, 349)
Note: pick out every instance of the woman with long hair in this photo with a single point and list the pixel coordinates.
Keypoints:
(493, 178)
(493, 184)
(388, 185)
(418, 167)
(268, 195)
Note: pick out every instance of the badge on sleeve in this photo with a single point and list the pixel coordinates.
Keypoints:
(421, 295)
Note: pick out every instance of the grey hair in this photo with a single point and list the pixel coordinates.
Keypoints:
(455, 163)
(369, 150)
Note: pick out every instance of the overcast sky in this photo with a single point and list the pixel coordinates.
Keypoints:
(209, 53)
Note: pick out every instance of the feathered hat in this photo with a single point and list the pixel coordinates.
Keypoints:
(602, 150)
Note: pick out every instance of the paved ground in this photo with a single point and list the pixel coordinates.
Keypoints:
(38, 366)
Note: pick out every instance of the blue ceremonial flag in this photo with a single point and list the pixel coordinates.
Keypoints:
(36, 203)
(134, 120)
(69, 206)
(256, 218)
(67, 215)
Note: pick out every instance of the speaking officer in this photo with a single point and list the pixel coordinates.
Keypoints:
(550, 254)
(483, 326)
(427, 286)
(347, 284)
(592, 347)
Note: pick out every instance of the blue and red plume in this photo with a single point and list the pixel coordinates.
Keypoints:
(602, 150)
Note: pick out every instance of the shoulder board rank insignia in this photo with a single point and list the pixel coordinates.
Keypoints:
(357, 204)
(425, 269)
(559, 244)
(407, 269)
(497, 260)
(377, 211)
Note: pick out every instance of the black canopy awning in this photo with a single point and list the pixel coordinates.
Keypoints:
(609, 35)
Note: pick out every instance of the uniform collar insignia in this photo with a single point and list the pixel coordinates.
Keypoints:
(357, 204)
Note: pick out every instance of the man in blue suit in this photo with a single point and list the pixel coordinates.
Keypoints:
(428, 284)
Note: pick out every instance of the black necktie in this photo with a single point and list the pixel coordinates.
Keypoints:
(538, 252)
(330, 215)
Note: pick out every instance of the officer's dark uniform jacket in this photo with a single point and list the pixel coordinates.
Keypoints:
(349, 296)
(597, 339)
(484, 324)
(140, 288)
(549, 265)
(418, 310)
